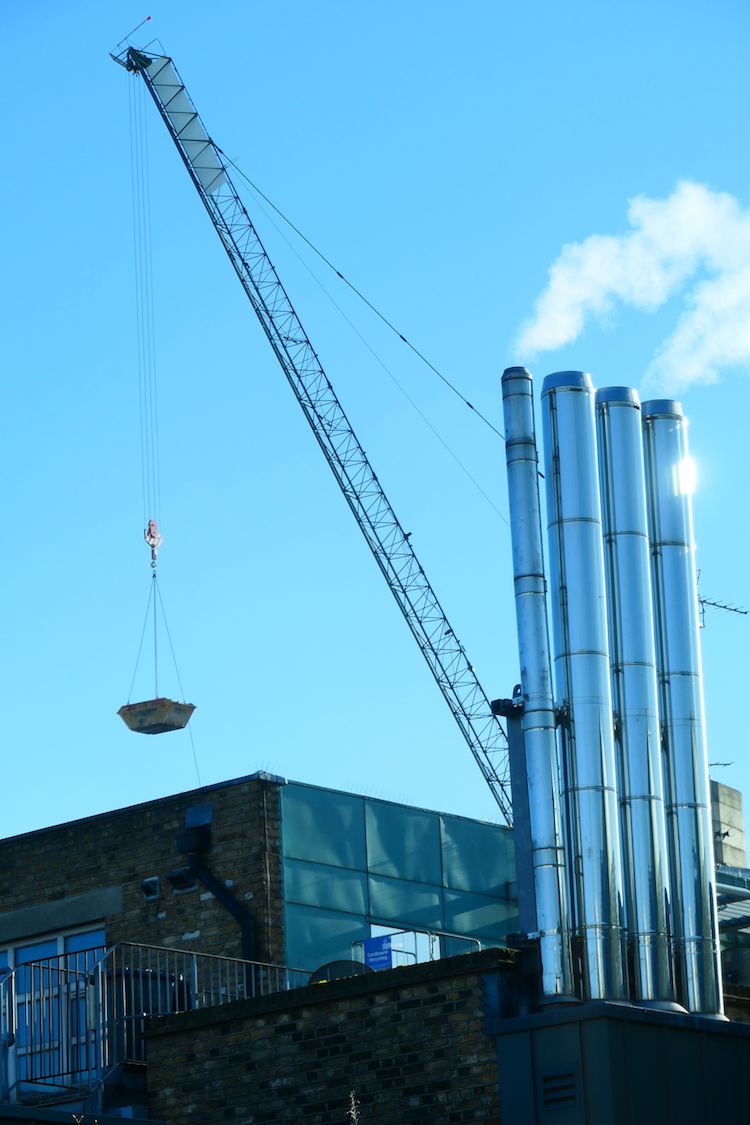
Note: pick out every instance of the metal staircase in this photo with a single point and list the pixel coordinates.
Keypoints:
(71, 1026)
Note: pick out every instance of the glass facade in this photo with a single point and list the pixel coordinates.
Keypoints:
(351, 863)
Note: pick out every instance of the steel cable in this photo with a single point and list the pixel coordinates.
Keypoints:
(361, 295)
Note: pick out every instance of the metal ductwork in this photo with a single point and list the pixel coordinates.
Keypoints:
(535, 778)
(669, 480)
(635, 694)
(582, 675)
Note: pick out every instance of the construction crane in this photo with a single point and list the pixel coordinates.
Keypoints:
(388, 542)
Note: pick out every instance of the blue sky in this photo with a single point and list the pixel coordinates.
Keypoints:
(442, 156)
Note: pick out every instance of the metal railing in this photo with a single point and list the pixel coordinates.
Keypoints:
(437, 944)
(66, 1021)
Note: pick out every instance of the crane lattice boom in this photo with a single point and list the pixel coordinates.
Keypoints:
(377, 520)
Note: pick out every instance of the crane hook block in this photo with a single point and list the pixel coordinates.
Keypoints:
(156, 716)
(154, 540)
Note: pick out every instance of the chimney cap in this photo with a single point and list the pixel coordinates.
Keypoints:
(575, 380)
(668, 406)
(516, 373)
(618, 394)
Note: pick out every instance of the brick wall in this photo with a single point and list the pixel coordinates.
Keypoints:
(119, 849)
(408, 1041)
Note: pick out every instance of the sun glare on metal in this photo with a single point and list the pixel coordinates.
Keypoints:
(686, 476)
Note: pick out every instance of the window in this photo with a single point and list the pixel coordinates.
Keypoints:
(45, 1011)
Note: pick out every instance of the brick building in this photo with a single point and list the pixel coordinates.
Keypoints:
(124, 992)
(304, 875)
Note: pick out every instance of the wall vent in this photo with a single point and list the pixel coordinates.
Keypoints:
(559, 1092)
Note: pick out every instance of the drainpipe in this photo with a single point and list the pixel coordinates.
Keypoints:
(229, 902)
(192, 842)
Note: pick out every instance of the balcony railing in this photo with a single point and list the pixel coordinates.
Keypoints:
(67, 1021)
(410, 946)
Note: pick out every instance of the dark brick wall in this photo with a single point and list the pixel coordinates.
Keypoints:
(123, 847)
(408, 1041)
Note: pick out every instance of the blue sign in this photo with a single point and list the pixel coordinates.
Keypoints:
(378, 952)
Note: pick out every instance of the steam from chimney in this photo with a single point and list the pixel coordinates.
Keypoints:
(696, 243)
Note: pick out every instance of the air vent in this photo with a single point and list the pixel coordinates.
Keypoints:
(559, 1092)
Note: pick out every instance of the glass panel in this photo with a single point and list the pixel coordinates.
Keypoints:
(477, 857)
(394, 900)
(315, 937)
(41, 950)
(454, 946)
(314, 884)
(93, 939)
(477, 914)
(85, 949)
(407, 946)
(36, 952)
(403, 843)
(323, 826)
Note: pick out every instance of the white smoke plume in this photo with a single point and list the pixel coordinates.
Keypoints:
(694, 231)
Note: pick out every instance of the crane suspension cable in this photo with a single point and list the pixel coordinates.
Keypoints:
(154, 597)
(143, 634)
(375, 355)
(144, 306)
(361, 295)
(177, 670)
(148, 411)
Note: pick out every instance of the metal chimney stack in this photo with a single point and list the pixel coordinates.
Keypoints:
(668, 470)
(635, 693)
(633, 786)
(538, 774)
(582, 674)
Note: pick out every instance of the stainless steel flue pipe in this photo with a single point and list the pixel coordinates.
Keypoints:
(582, 676)
(539, 736)
(635, 693)
(668, 470)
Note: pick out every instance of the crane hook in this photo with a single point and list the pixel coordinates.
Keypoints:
(154, 540)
